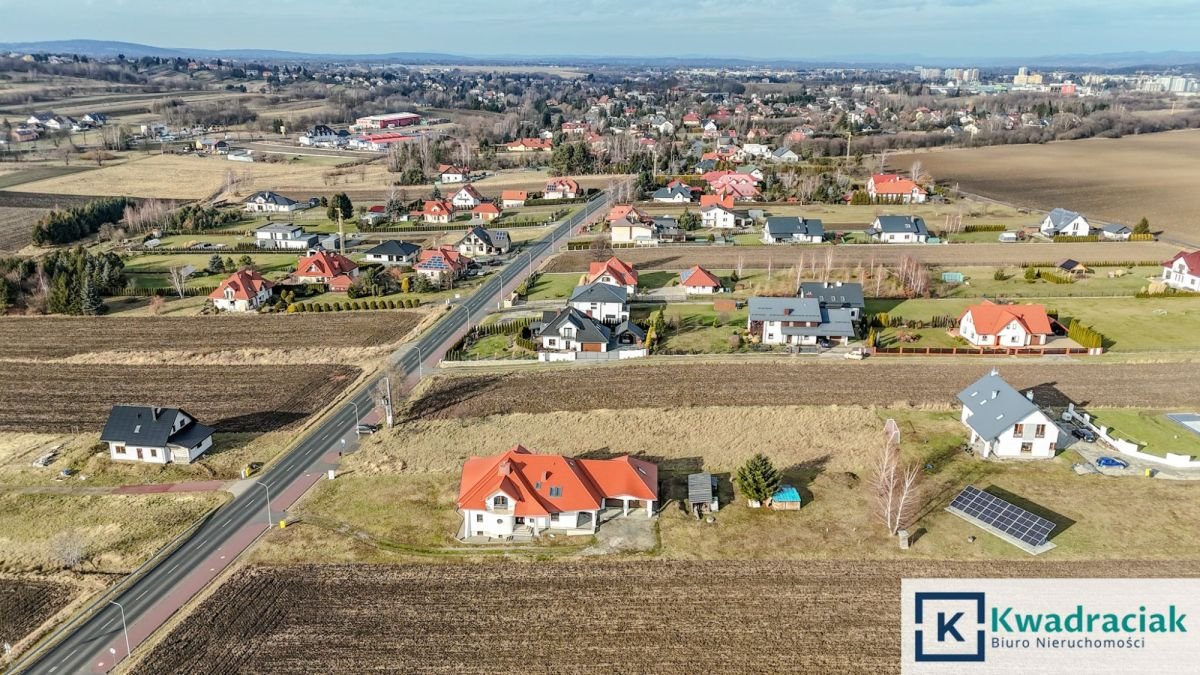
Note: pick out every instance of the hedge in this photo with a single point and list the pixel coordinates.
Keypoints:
(1064, 239)
(1086, 336)
(984, 228)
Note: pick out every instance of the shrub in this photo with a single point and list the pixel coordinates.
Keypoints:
(758, 479)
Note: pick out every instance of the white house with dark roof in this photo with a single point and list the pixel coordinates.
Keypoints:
(266, 201)
(836, 295)
(715, 216)
(604, 302)
(680, 194)
(798, 321)
(793, 230)
(899, 230)
(142, 433)
(567, 332)
(1064, 223)
(393, 252)
(1005, 423)
(482, 241)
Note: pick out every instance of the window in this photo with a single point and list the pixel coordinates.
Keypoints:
(1019, 430)
(1039, 431)
(479, 517)
(556, 492)
(153, 452)
(120, 450)
(500, 502)
(1026, 448)
(554, 517)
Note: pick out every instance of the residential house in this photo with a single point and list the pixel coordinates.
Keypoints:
(561, 188)
(334, 270)
(836, 295)
(485, 212)
(521, 493)
(717, 200)
(890, 187)
(482, 241)
(95, 119)
(393, 252)
(785, 156)
(699, 281)
(570, 330)
(466, 198)
(442, 264)
(793, 230)
(1182, 272)
(449, 173)
(716, 216)
(1064, 223)
(691, 120)
(899, 230)
(798, 321)
(757, 150)
(291, 237)
(213, 146)
(750, 170)
(155, 435)
(243, 291)
(673, 195)
(1116, 232)
(271, 202)
(614, 272)
(990, 325)
(604, 302)
(513, 198)
(633, 229)
(529, 145)
(435, 211)
(1005, 423)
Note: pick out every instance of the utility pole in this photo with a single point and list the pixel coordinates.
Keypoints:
(341, 234)
(264, 486)
(387, 401)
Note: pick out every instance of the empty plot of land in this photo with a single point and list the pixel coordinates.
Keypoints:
(613, 617)
(16, 227)
(1122, 180)
(26, 604)
(58, 337)
(866, 383)
(851, 256)
(52, 398)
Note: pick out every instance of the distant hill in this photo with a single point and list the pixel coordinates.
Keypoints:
(1114, 60)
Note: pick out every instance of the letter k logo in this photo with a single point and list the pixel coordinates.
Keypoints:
(944, 627)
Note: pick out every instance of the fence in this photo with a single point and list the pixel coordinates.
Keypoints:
(1128, 448)
(979, 351)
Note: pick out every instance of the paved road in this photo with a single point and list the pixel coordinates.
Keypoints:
(151, 600)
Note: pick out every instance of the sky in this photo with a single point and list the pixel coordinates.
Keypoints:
(783, 29)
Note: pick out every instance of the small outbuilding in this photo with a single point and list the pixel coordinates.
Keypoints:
(702, 493)
(786, 498)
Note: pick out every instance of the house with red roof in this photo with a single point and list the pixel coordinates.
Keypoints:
(522, 494)
(561, 188)
(485, 212)
(442, 263)
(435, 211)
(466, 198)
(1183, 271)
(243, 291)
(990, 325)
(716, 200)
(323, 267)
(614, 272)
(699, 281)
(529, 145)
(449, 173)
(513, 198)
(890, 187)
(691, 120)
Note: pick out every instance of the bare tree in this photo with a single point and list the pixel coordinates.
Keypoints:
(895, 486)
(178, 277)
(915, 171)
(740, 266)
(68, 548)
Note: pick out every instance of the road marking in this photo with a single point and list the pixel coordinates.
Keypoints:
(173, 567)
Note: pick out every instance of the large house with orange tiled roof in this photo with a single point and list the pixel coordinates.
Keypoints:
(521, 494)
(614, 272)
(435, 211)
(243, 291)
(442, 263)
(323, 267)
(990, 325)
(890, 187)
(561, 188)
(512, 198)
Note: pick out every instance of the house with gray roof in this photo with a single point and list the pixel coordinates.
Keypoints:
(798, 321)
(1004, 422)
(480, 241)
(1064, 223)
(562, 335)
(155, 435)
(785, 155)
(393, 252)
(680, 194)
(793, 230)
(836, 295)
(266, 201)
(899, 230)
(607, 303)
(291, 237)
(1116, 232)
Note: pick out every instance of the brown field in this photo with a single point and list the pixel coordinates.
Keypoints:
(16, 225)
(45, 337)
(851, 256)
(753, 617)
(1122, 180)
(231, 398)
(36, 200)
(26, 604)
(808, 383)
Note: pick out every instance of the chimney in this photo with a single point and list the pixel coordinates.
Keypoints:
(1029, 395)
(837, 284)
(157, 410)
(995, 393)
(787, 311)
(504, 468)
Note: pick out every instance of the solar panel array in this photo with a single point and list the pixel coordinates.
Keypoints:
(1002, 515)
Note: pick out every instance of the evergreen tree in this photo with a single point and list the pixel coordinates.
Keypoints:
(1142, 227)
(58, 301)
(90, 303)
(215, 264)
(758, 479)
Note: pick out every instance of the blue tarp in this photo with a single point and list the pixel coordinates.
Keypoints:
(786, 493)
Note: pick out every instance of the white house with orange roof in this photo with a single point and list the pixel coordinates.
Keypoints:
(243, 291)
(699, 281)
(990, 325)
(519, 492)
(513, 198)
(892, 187)
(331, 269)
(614, 272)
(561, 188)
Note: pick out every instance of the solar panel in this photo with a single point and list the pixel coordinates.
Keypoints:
(1002, 515)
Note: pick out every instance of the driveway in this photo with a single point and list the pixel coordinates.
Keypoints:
(623, 534)
(1137, 467)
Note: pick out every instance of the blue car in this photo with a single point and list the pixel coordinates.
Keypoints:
(1111, 463)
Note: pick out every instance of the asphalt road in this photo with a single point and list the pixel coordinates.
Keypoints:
(88, 644)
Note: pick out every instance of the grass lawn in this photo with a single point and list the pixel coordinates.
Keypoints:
(408, 510)
(655, 280)
(926, 337)
(1128, 324)
(553, 286)
(701, 329)
(981, 282)
(162, 263)
(496, 347)
(1150, 429)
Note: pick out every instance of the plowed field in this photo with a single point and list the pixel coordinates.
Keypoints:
(25, 605)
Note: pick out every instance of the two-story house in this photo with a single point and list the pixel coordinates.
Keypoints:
(155, 435)
(836, 295)
(481, 241)
(990, 325)
(615, 272)
(1064, 223)
(1005, 423)
(1182, 272)
(798, 321)
(606, 303)
(243, 291)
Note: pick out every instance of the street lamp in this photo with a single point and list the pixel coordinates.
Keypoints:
(264, 486)
(357, 417)
(420, 362)
(124, 627)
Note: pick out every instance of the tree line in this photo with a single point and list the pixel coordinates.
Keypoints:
(77, 222)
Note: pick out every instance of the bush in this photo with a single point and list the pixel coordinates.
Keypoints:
(1031, 274)
(391, 304)
(1086, 336)
(984, 228)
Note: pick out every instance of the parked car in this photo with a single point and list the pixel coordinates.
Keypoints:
(1111, 463)
(1084, 434)
(366, 429)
